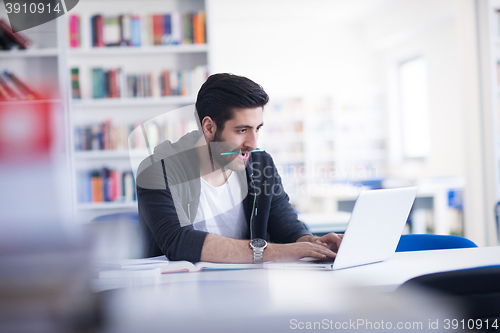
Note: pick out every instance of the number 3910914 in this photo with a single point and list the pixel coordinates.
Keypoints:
(32, 8)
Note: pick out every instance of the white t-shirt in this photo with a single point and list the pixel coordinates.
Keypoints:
(220, 210)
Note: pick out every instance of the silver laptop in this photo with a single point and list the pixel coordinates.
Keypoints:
(372, 234)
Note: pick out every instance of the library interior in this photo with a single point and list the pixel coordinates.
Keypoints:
(364, 95)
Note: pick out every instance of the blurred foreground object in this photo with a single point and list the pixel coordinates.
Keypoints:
(275, 301)
(477, 289)
(44, 262)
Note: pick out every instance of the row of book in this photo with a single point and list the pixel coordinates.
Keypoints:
(102, 136)
(113, 83)
(106, 185)
(107, 136)
(14, 89)
(134, 30)
(10, 40)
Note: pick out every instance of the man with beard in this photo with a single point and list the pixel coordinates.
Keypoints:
(214, 196)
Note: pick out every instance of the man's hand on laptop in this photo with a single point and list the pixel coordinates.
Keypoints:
(331, 241)
(296, 251)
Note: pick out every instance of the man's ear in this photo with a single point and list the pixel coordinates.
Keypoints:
(209, 127)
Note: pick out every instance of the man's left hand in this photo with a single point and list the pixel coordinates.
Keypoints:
(331, 241)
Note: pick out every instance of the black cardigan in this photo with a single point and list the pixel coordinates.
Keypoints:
(168, 191)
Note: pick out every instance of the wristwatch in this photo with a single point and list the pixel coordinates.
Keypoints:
(258, 245)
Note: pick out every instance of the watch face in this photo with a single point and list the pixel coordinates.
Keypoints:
(258, 242)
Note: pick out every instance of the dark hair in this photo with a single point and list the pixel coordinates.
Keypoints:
(222, 93)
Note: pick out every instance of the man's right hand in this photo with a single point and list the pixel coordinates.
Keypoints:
(296, 251)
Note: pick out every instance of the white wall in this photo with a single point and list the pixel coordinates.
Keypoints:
(290, 47)
(402, 32)
(297, 48)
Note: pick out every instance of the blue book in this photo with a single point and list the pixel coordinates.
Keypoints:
(86, 187)
(135, 33)
(98, 82)
(167, 30)
(106, 183)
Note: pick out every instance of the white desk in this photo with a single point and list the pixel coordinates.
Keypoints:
(384, 276)
(388, 275)
(269, 300)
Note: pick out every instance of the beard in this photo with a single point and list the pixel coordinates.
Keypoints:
(232, 162)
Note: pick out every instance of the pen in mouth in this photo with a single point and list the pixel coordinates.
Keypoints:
(239, 153)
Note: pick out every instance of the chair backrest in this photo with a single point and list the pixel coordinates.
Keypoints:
(477, 289)
(116, 236)
(422, 242)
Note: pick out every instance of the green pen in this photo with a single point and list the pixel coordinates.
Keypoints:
(236, 153)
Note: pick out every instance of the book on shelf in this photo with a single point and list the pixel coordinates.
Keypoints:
(158, 29)
(106, 136)
(172, 28)
(97, 26)
(176, 26)
(111, 34)
(98, 83)
(115, 84)
(170, 266)
(135, 31)
(199, 31)
(167, 30)
(125, 29)
(187, 20)
(106, 185)
(14, 89)
(74, 31)
(75, 83)
(11, 40)
(103, 136)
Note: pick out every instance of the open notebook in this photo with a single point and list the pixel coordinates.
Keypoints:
(160, 265)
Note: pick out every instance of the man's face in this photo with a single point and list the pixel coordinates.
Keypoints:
(240, 135)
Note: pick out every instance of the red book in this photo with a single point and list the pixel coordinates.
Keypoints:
(99, 21)
(168, 88)
(19, 39)
(158, 29)
(4, 95)
(26, 91)
(6, 92)
(113, 82)
(113, 186)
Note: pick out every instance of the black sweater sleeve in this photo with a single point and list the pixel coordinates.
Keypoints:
(160, 212)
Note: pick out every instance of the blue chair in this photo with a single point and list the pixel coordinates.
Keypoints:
(422, 242)
(127, 217)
